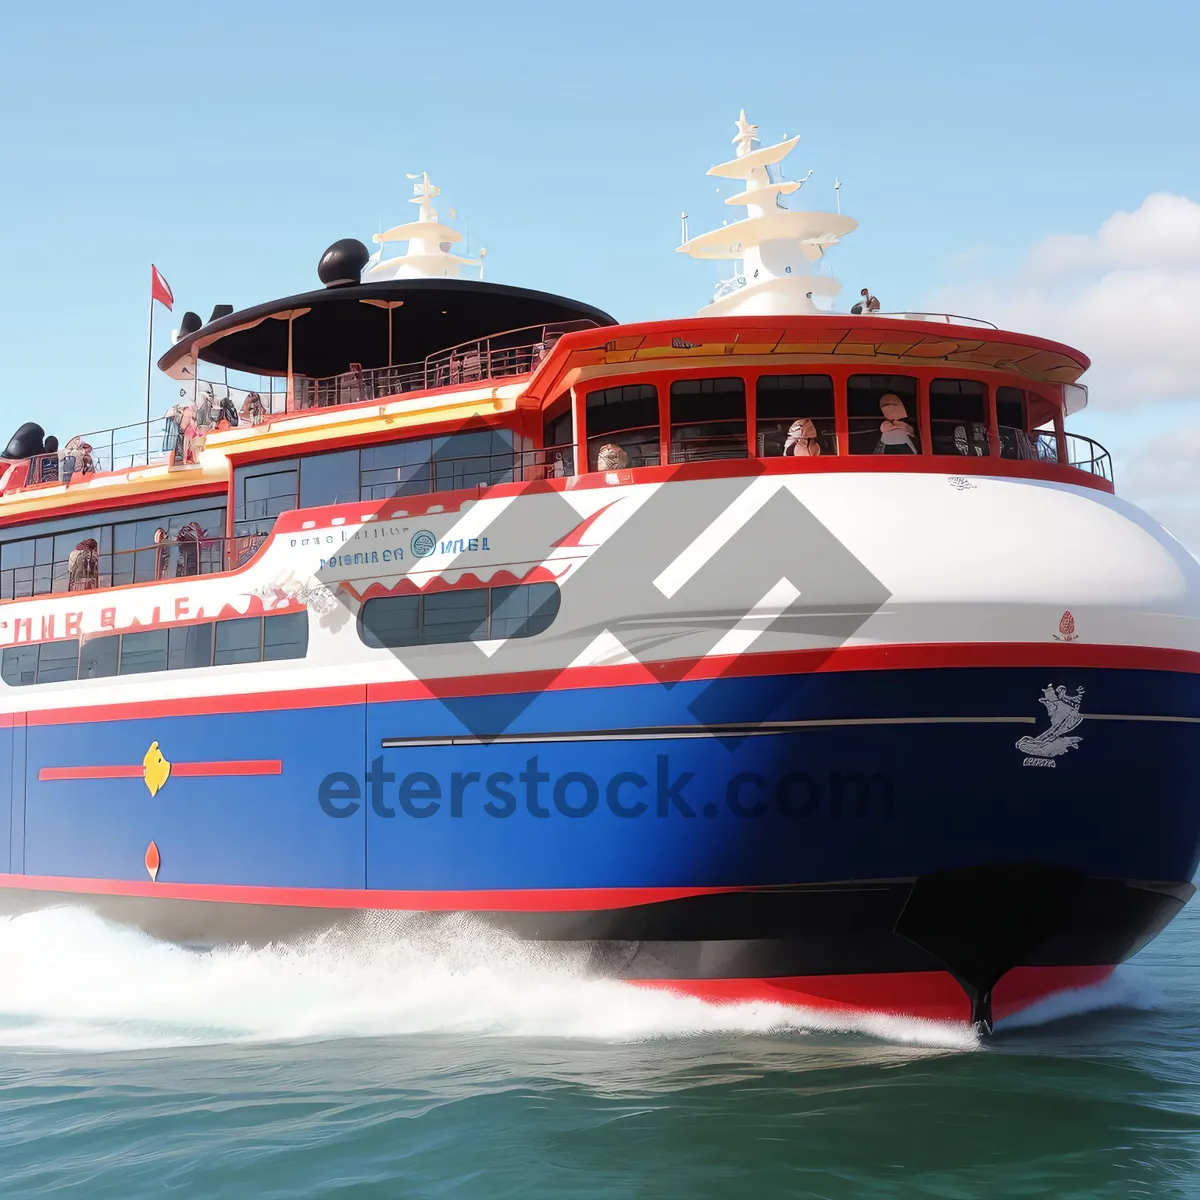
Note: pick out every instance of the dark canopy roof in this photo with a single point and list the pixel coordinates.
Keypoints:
(340, 329)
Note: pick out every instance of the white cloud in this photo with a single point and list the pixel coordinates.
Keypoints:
(1128, 296)
(1163, 477)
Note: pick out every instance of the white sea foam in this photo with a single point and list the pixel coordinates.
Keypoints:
(71, 980)
(1125, 988)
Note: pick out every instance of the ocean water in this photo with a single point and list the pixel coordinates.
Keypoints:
(397, 1060)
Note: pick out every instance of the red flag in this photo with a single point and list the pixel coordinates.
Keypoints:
(160, 289)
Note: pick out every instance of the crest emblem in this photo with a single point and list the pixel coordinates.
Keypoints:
(1064, 714)
(1066, 628)
(155, 769)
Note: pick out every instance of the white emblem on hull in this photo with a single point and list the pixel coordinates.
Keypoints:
(1063, 710)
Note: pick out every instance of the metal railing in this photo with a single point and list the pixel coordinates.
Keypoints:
(501, 356)
(936, 318)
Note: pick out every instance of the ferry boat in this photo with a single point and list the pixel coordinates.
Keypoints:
(772, 652)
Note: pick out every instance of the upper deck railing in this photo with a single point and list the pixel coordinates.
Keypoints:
(506, 355)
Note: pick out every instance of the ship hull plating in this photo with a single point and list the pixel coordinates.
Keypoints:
(909, 840)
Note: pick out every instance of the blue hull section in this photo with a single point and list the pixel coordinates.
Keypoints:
(854, 797)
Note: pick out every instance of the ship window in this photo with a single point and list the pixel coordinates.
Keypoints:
(472, 459)
(708, 419)
(625, 417)
(98, 657)
(558, 438)
(285, 636)
(18, 665)
(261, 493)
(329, 479)
(57, 661)
(142, 652)
(523, 610)
(454, 616)
(397, 469)
(863, 396)
(238, 641)
(782, 400)
(189, 646)
(459, 615)
(958, 417)
(1013, 423)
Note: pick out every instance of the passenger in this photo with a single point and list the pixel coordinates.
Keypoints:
(206, 411)
(802, 439)
(611, 458)
(252, 408)
(77, 459)
(188, 540)
(188, 433)
(83, 567)
(228, 413)
(895, 433)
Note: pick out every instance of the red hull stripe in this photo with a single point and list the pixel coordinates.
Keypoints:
(522, 900)
(193, 770)
(846, 658)
(932, 994)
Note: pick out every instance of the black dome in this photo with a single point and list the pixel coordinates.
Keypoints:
(343, 262)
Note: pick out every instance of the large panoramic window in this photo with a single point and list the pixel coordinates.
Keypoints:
(622, 427)
(459, 615)
(883, 414)
(784, 403)
(708, 419)
(958, 417)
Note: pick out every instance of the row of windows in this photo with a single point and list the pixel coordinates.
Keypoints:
(214, 644)
(467, 615)
(133, 547)
(409, 468)
(708, 419)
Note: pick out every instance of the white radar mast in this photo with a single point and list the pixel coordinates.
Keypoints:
(429, 243)
(774, 245)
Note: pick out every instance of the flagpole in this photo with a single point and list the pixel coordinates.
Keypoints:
(149, 361)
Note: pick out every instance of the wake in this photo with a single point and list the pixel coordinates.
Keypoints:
(73, 981)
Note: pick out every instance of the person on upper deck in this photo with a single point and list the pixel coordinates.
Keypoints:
(895, 433)
(77, 459)
(802, 439)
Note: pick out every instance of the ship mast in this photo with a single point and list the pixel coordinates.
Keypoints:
(775, 245)
(429, 242)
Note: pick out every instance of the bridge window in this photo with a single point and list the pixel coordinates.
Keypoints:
(1012, 418)
(958, 417)
(625, 418)
(866, 398)
(182, 647)
(782, 401)
(459, 615)
(708, 419)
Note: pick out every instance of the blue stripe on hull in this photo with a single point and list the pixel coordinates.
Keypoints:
(818, 804)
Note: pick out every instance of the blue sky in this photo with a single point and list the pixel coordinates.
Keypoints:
(231, 143)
